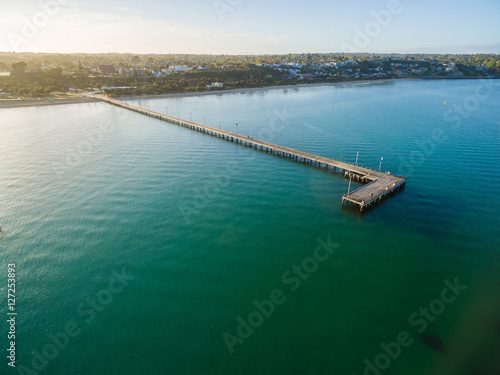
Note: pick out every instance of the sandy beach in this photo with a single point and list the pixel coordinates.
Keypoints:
(35, 102)
(39, 102)
(252, 89)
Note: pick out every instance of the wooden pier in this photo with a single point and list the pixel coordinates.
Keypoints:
(377, 185)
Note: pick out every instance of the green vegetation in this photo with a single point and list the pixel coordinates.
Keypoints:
(40, 74)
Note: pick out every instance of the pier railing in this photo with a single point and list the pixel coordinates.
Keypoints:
(378, 185)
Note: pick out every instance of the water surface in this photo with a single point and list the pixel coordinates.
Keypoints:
(206, 227)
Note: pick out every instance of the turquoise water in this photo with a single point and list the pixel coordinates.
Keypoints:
(201, 228)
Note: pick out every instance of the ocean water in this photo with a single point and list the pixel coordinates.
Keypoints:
(141, 247)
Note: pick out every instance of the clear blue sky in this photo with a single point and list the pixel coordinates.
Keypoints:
(249, 26)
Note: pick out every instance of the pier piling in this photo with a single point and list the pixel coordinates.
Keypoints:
(377, 184)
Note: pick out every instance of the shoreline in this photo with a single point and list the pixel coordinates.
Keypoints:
(265, 88)
(43, 102)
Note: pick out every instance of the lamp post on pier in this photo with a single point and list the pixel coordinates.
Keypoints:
(350, 178)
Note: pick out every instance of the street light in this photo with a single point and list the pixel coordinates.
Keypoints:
(350, 178)
(236, 128)
(380, 165)
(167, 110)
(178, 112)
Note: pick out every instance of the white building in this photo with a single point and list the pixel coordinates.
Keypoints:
(215, 85)
(180, 68)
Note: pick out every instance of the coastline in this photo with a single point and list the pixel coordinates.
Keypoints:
(42, 102)
(265, 88)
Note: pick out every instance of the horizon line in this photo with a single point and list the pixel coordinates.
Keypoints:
(254, 54)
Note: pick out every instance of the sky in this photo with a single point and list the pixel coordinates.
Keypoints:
(250, 26)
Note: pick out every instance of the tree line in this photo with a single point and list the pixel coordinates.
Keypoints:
(39, 74)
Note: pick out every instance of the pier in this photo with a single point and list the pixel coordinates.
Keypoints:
(377, 185)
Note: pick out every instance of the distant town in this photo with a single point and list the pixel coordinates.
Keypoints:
(41, 75)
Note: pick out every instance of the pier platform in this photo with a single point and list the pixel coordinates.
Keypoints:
(377, 186)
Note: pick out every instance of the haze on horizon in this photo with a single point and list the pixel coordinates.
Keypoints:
(250, 27)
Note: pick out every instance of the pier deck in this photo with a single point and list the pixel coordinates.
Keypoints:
(378, 185)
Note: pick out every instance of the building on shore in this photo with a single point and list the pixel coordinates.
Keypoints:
(215, 85)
